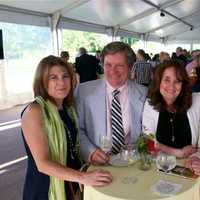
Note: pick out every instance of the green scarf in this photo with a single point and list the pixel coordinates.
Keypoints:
(57, 142)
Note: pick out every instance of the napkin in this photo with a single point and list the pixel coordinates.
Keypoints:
(166, 188)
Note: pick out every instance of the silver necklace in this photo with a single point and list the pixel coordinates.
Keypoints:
(72, 149)
(172, 118)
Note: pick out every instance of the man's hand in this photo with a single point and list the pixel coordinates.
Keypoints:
(99, 157)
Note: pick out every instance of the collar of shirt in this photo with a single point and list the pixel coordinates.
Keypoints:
(110, 89)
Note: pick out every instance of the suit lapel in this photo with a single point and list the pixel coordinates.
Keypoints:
(136, 105)
(98, 100)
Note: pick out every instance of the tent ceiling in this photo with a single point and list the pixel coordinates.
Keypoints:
(133, 17)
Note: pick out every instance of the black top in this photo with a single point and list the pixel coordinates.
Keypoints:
(72, 155)
(173, 129)
(36, 184)
(70, 128)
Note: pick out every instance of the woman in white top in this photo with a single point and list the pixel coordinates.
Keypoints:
(172, 112)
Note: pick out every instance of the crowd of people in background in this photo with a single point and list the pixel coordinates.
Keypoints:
(74, 106)
(88, 67)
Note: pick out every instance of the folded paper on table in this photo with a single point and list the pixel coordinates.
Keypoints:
(166, 188)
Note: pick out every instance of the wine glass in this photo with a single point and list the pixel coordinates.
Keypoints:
(128, 153)
(105, 143)
(165, 162)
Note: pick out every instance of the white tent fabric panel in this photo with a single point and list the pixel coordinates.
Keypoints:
(134, 17)
(186, 37)
(67, 23)
(19, 17)
(144, 26)
(106, 12)
(42, 6)
(184, 8)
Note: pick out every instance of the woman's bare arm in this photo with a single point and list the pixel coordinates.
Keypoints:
(35, 136)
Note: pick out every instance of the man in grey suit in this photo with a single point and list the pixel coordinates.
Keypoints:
(94, 102)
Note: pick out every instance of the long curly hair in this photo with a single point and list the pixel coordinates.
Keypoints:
(184, 100)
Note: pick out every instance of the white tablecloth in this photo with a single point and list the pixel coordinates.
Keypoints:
(125, 187)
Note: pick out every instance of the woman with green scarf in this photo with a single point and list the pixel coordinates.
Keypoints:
(50, 133)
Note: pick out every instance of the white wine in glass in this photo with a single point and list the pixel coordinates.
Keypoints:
(105, 143)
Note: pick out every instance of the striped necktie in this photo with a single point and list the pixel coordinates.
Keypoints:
(117, 125)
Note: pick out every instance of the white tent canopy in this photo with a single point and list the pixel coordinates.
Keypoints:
(155, 20)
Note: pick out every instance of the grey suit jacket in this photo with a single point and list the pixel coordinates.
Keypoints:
(91, 109)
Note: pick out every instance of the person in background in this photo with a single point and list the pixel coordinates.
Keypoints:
(195, 75)
(163, 56)
(155, 61)
(194, 63)
(98, 57)
(147, 57)
(171, 111)
(156, 58)
(194, 53)
(111, 106)
(180, 56)
(173, 56)
(50, 134)
(142, 70)
(65, 56)
(187, 55)
(87, 66)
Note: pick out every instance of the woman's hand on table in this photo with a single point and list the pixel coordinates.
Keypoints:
(179, 153)
(99, 157)
(97, 177)
(188, 150)
(184, 152)
(194, 164)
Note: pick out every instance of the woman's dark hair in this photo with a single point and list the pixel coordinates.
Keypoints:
(40, 83)
(184, 99)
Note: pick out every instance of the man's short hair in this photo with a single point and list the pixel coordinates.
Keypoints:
(82, 51)
(64, 54)
(116, 47)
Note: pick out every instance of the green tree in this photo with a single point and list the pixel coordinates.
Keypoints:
(128, 40)
(73, 40)
(22, 40)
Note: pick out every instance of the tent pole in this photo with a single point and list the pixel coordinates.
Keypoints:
(191, 46)
(54, 22)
